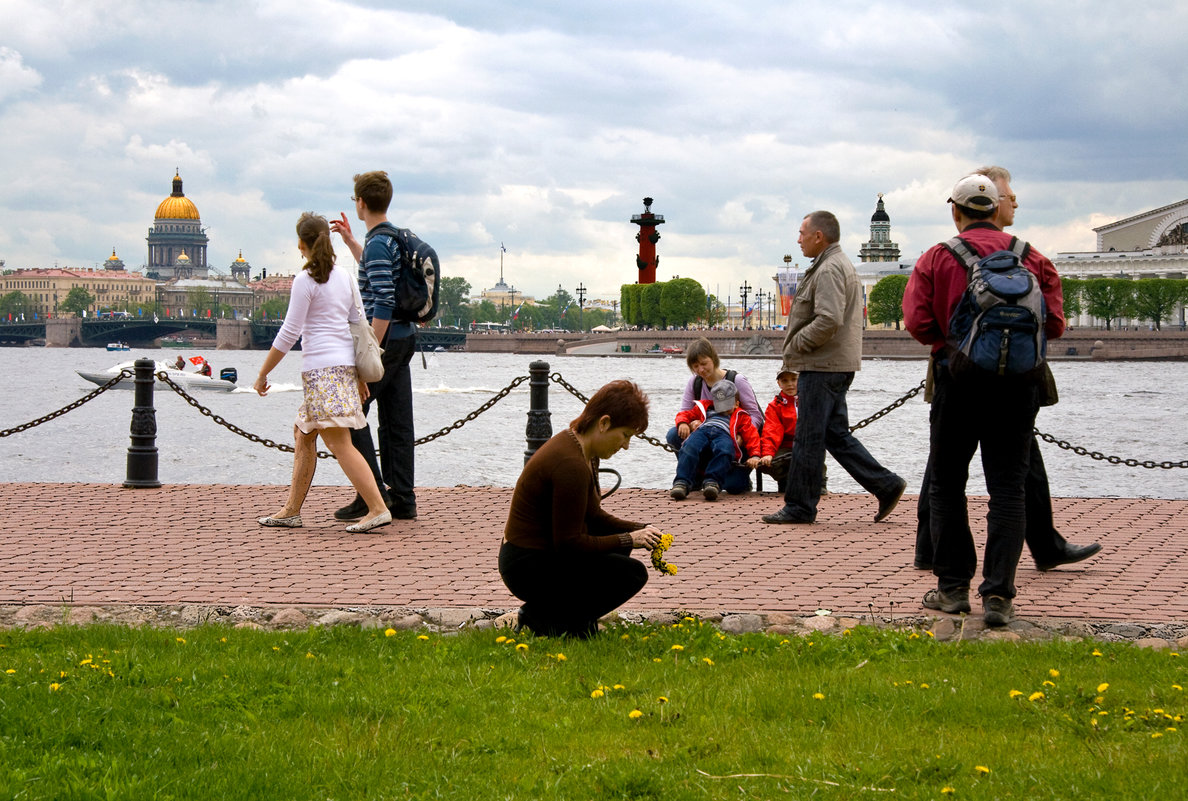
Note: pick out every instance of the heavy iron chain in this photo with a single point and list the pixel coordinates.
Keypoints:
(125, 373)
(911, 393)
(268, 443)
(1101, 457)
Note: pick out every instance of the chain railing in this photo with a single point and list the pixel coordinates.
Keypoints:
(90, 396)
(558, 379)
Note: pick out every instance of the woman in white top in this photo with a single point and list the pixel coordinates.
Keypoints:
(321, 303)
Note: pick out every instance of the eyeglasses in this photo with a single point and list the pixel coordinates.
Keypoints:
(354, 199)
(1012, 198)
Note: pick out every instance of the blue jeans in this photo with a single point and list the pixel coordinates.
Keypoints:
(998, 415)
(822, 424)
(706, 443)
(737, 480)
(392, 395)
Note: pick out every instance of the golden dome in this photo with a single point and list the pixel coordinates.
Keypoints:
(177, 206)
(241, 259)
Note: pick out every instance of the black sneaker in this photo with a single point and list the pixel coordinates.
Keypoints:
(710, 490)
(997, 611)
(353, 510)
(889, 501)
(679, 492)
(954, 602)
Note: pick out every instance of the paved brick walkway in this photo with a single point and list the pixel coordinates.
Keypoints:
(98, 544)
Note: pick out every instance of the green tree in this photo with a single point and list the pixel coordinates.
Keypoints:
(885, 303)
(1109, 298)
(486, 312)
(200, 298)
(1073, 290)
(630, 305)
(453, 296)
(682, 300)
(273, 308)
(715, 311)
(650, 311)
(1155, 298)
(77, 301)
(13, 303)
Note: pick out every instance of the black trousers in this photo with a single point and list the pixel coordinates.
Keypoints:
(1046, 544)
(393, 397)
(567, 593)
(997, 415)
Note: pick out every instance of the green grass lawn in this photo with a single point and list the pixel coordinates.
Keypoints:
(664, 712)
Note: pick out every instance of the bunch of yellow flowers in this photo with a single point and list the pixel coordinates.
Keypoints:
(658, 556)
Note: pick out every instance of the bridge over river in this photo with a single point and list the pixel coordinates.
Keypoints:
(67, 332)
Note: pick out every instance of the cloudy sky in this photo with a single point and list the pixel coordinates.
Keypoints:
(542, 125)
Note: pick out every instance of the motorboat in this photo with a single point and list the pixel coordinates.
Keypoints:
(117, 346)
(224, 383)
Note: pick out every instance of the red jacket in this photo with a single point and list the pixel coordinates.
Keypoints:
(779, 425)
(938, 281)
(740, 425)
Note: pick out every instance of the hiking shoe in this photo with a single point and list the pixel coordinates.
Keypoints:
(710, 490)
(953, 602)
(888, 502)
(997, 611)
(679, 491)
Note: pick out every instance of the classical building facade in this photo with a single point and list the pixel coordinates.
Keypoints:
(879, 247)
(177, 241)
(182, 296)
(45, 288)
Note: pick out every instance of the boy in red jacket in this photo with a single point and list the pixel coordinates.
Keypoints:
(719, 424)
(779, 428)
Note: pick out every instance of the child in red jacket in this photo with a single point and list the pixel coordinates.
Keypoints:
(719, 424)
(779, 428)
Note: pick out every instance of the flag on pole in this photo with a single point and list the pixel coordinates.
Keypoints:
(517, 312)
(197, 360)
(754, 306)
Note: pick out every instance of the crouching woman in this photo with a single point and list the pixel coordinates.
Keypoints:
(562, 555)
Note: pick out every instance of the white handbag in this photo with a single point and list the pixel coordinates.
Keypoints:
(368, 353)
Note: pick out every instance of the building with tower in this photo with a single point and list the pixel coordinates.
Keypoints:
(648, 236)
(177, 241)
(879, 247)
(240, 270)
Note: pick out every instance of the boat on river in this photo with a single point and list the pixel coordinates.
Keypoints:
(224, 383)
(117, 346)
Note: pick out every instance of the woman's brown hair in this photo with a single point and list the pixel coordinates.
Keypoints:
(314, 231)
(623, 401)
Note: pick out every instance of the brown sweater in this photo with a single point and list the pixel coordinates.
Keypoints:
(556, 504)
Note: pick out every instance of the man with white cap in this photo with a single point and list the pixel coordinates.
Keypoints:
(995, 412)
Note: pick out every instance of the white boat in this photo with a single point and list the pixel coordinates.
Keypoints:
(117, 346)
(183, 379)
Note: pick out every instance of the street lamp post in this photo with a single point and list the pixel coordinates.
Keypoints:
(581, 293)
(744, 290)
(759, 295)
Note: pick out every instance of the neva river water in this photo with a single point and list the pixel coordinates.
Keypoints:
(1128, 409)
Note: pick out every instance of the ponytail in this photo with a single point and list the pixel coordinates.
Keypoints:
(314, 232)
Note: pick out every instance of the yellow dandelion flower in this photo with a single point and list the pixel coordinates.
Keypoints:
(392, 633)
(276, 647)
(1036, 696)
(1156, 735)
(1098, 700)
(221, 639)
(1093, 722)
(1102, 713)
(678, 647)
(656, 659)
(819, 696)
(635, 714)
(981, 769)
(55, 687)
(1054, 673)
(947, 791)
(923, 686)
(1015, 693)
(10, 671)
(619, 687)
(181, 640)
(625, 637)
(1101, 688)
(422, 636)
(86, 661)
(1177, 687)
(1096, 652)
(560, 657)
(707, 660)
(1173, 653)
(522, 647)
(1170, 728)
(1049, 684)
(309, 655)
(913, 636)
(596, 693)
(671, 569)
(61, 674)
(662, 700)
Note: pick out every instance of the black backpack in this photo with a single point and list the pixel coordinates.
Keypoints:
(417, 284)
(699, 382)
(998, 324)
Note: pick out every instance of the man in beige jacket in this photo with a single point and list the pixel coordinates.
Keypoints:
(824, 344)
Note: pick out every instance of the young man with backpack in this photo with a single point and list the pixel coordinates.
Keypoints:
(989, 403)
(381, 262)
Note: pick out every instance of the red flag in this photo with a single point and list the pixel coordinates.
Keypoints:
(197, 360)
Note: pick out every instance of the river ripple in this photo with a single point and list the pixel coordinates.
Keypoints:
(1131, 409)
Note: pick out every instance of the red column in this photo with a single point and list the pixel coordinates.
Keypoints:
(648, 236)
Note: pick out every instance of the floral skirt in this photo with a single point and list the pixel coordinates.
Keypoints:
(331, 399)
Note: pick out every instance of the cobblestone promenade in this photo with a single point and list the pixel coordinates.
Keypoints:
(93, 544)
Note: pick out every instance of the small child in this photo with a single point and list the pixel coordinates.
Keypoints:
(779, 428)
(722, 421)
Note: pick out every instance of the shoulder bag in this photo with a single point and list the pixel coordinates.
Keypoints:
(368, 353)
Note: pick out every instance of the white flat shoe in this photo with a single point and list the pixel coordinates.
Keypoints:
(382, 519)
(280, 522)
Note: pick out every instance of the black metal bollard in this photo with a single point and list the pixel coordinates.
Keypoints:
(540, 426)
(142, 453)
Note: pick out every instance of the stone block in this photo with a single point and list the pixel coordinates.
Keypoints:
(741, 624)
(289, 618)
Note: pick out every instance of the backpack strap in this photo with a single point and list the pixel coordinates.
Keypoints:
(1019, 248)
(698, 383)
(962, 252)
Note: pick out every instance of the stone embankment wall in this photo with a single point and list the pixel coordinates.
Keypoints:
(876, 343)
